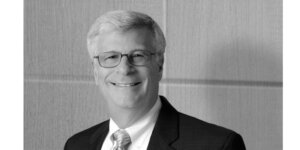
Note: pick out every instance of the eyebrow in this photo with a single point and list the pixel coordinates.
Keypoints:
(128, 52)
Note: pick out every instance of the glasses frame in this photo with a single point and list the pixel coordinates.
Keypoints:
(129, 60)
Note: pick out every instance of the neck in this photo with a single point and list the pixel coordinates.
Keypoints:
(125, 117)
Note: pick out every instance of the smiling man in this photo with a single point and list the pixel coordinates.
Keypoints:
(127, 51)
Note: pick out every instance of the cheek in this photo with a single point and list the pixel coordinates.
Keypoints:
(100, 76)
(153, 77)
(101, 82)
(155, 73)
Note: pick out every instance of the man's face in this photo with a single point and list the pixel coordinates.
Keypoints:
(127, 86)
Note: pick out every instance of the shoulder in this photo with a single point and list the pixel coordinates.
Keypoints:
(86, 137)
(204, 133)
(190, 123)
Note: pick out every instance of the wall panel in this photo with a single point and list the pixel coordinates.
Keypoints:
(54, 111)
(224, 40)
(254, 112)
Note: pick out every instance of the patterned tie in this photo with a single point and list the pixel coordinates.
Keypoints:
(121, 140)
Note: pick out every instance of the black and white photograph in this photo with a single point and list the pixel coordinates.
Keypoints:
(153, 75)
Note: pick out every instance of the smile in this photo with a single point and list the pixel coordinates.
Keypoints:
(125, 84)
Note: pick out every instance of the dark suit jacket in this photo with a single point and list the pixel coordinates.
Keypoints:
(173, 131)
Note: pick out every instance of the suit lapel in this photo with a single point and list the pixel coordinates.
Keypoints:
(165, 131)
(98, 137)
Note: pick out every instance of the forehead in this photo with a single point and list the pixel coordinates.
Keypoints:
(123, 41)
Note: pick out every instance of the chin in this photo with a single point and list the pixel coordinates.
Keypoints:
(127, 101)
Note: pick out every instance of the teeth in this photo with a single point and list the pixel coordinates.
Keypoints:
(125, 84)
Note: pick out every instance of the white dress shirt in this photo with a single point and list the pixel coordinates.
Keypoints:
(139, 132)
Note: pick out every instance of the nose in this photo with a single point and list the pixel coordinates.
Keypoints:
(125, 67)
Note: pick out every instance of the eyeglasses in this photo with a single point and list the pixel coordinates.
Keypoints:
(135, 58)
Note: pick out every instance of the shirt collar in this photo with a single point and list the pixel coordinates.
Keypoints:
(144, 123)
(113, 127)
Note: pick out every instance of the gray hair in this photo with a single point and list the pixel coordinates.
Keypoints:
(126, 20)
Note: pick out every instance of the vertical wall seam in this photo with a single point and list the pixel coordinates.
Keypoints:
(164, 91)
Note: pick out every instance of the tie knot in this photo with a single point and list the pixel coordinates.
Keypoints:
(121, 139)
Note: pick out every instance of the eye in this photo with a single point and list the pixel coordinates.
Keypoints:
(111, 57)
(138, 55)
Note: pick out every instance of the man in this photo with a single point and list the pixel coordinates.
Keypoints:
(127, 51)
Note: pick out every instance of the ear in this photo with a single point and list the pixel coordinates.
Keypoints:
(96, 75)
(160, 67)
(160, 62)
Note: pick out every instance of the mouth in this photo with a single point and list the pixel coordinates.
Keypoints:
(125, 84)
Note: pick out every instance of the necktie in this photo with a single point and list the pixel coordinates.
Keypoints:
(121, 140)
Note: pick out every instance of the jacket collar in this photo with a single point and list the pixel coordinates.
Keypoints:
(165, 131)
(98, 137)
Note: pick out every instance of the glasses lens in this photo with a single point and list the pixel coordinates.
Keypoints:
(109, 59)
(139, 57)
